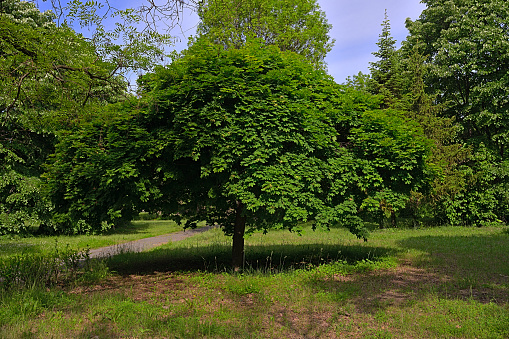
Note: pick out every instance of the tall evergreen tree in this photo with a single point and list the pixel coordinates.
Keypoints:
(385, 72)
(399, 76)
(448, 155)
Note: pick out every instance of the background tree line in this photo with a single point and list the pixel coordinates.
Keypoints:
(450, 75)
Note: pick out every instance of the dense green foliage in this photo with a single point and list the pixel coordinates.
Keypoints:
(94, 174)
(443, 78)
(245, 127)
(298, 26)
(50, 75)
(53, 79)
(250, 136)
(264, 128)
(466, 46)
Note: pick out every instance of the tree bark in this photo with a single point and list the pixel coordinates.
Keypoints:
(238, 238)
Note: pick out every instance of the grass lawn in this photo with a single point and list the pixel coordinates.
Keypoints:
(444, 282)
(13, 245)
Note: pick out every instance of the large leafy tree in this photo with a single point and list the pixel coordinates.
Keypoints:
(292, 25)
(466, 44)
(251, 137)
(52, 78)
(467, 47)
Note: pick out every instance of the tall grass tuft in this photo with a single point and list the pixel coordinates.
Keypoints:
(61, 266)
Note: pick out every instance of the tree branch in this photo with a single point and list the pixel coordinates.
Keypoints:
(17, 95)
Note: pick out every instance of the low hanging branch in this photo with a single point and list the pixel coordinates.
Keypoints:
(85, 70)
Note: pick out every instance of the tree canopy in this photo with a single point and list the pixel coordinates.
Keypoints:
(299, 26)
(467, 48)
(242, 137)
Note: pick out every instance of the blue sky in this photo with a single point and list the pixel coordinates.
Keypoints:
(356, 25)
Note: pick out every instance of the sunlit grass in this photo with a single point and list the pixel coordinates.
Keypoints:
(445, 282)
(11, 245)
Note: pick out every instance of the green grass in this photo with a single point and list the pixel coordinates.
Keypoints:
(12, 245)
(445, 282)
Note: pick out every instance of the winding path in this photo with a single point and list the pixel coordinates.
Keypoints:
(145, 244)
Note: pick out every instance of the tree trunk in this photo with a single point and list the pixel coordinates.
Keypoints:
(238, 238)
(393, 219)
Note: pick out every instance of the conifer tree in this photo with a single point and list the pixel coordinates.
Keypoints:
(466, 46)
(385, 71)
(447, 154)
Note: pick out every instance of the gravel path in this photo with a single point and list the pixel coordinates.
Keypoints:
(145, 244)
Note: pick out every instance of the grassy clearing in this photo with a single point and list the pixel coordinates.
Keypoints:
(445, 282)
(12, 245)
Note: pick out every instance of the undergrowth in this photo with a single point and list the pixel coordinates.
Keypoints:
(60, 266)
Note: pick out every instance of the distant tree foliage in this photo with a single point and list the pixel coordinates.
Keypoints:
(386, 71)
(248, 138)
(51, 78)
(292, 25)
(44, 84)
(466, 49)
(399, 77)
(449, 154)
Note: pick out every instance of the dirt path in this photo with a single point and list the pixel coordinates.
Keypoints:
(145, 244)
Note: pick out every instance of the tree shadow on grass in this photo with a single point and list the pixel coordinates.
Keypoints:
(259, 258)
(450, 267)
(18, 248)
(134, 227)
(473, 266)
(485, 257)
